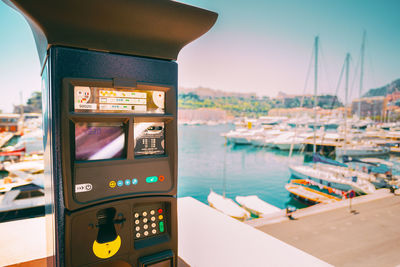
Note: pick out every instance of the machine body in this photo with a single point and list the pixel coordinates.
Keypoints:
(113, 140)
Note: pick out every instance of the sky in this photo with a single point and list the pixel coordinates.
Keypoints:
(260, 46)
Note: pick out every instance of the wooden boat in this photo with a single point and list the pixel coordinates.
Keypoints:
(227, 206)
(256, 206)
(299, 189)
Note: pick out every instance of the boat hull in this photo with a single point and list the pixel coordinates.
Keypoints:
(286, 146)
(337, 185)
(361, 152)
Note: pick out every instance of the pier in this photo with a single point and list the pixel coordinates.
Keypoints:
(367, 236)
(206, 238)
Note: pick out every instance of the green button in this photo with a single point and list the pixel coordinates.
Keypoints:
(151, 179)
(161, 227)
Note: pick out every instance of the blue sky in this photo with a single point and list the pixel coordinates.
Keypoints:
(255, 46)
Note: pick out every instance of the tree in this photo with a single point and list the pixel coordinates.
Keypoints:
(33, 104)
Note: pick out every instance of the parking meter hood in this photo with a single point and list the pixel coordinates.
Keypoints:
(150, 28)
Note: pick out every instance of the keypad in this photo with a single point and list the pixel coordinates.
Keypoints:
(148, 221)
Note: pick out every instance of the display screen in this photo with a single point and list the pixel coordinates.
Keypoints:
(111, 100)
(94, 141)
(149, 138)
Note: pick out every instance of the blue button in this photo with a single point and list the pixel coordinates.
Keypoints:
(120, 183)
(151, 179)
(127, 182)
(134, 181)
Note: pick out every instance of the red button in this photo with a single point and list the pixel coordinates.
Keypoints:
(160, 210)
(161, 178)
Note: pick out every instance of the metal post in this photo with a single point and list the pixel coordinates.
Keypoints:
(346, 99)
(315, 93)
(361, 72)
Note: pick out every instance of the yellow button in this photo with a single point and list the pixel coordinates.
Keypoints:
(160, 217)
(112, 184)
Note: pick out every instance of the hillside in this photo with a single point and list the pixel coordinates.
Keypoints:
(204, 92)
(384, 90)
(247, 104)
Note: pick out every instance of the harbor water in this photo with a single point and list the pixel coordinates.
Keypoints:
(248, 170)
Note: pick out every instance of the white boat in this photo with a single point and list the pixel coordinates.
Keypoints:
(28, 198)
(359, 151)
(227, 206)
(5, 137)
(22, 197)
(345, 172)
(330, 179)
(261, 140)
(243, 136)
(285, 140)
(22, 173)
(29, 166)
(256, 206)
(284, 143)
(32, 142)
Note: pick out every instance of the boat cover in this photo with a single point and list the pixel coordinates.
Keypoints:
(254, 203)
(374, 167)
(322, 159)
(227, 206)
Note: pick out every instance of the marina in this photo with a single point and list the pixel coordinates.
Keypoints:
(268, 173)
(22, 170)
(249, 163)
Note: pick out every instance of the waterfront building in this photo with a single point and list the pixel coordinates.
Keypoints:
(9, 122)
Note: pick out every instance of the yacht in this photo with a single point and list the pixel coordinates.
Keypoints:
(243, 136)
(333, 180)
(285, 141)
(262, 140)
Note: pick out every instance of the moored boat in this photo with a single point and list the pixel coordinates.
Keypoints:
(227, 206)
(256, 206)
(362, 151)
(302, 189)
(330, 179)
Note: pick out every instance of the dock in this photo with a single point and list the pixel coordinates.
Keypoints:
(206, 238)
(367, 236)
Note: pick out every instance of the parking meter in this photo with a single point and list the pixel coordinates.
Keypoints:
(110, 123)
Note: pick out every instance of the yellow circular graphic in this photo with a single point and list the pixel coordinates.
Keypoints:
(106, 250)
(112, 184)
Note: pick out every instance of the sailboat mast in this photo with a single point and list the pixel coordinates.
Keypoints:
(361, 72)
(347, 60)
(315, 92)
